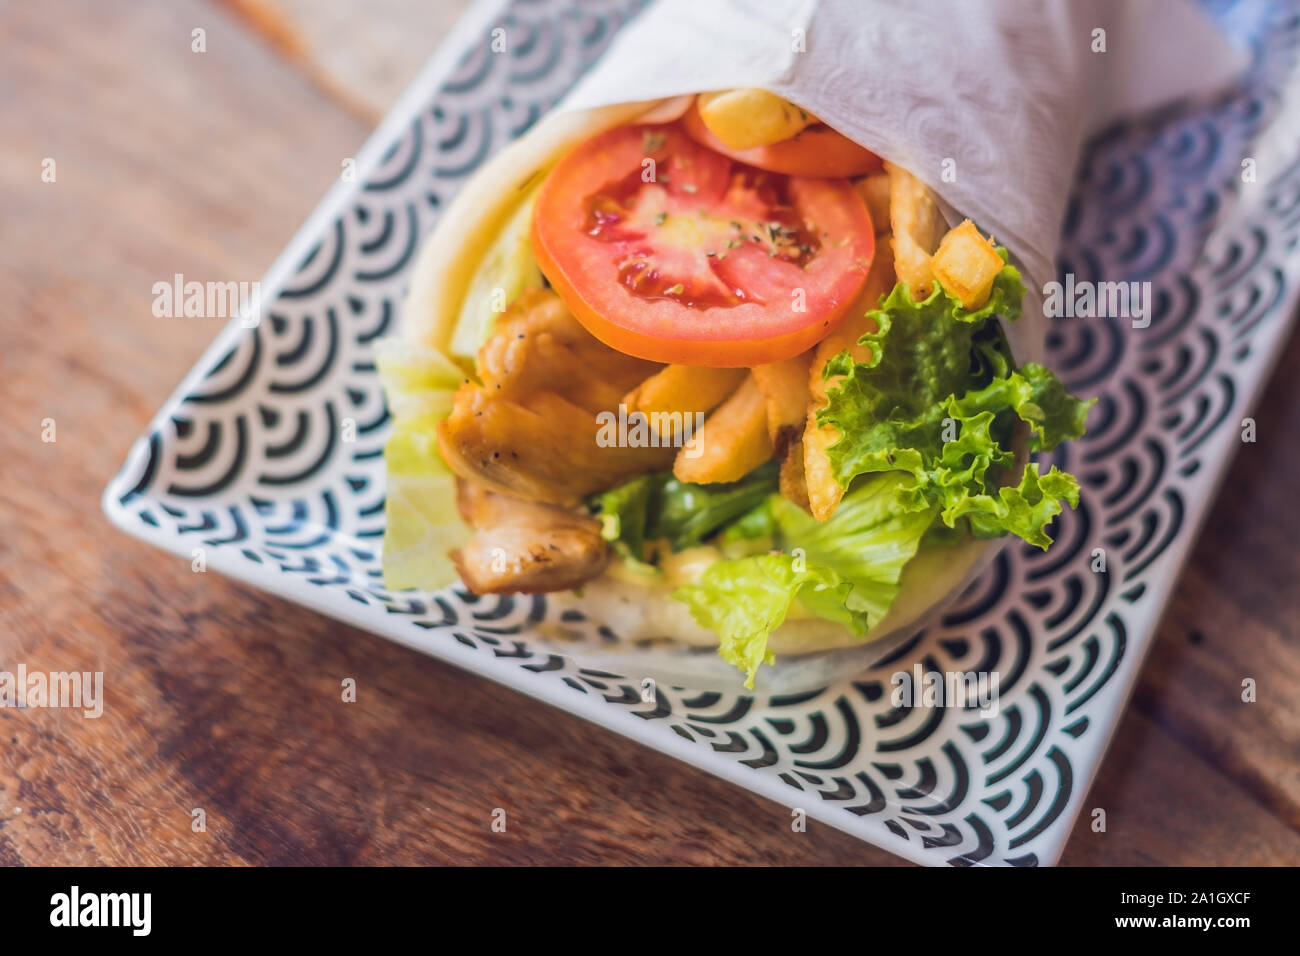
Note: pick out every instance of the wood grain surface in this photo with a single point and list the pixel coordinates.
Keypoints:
(221, 698)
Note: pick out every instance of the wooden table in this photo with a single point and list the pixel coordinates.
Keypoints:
(222, 698)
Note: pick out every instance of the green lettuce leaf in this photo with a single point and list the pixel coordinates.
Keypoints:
(921, 354)
(417, 380)
(752, 525)
(745, 599)
(1038, 398)
(846, 570)
(504, 272)
(687, 514)
(940, 399)
(624, 513)
(867, 542)
(659, 507)
(421, 520)
(1024, 510)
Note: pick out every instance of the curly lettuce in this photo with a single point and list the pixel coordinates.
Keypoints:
(745, 599)
(846, 570)
(940, 399)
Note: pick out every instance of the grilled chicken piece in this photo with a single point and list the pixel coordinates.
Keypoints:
(542, 448)
(538, 344)
(525, 547)
(530, 429)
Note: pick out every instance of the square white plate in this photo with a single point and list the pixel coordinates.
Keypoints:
(247, 460)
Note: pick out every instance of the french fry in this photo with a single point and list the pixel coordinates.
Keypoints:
(732, 443)
(879, 281)
(748, 118)
(683, 388)
(917, 225)
(874, 190)
(785, 391)
(793, 481)
(966, 265)
(824, 492)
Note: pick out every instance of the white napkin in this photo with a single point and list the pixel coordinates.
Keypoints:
(998, 93)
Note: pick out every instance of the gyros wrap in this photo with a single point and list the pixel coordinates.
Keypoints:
(711, 370)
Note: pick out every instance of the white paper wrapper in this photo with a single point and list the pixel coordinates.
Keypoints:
(1004, 89)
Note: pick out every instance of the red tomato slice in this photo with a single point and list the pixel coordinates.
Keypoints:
(710, 262)
(817, 151)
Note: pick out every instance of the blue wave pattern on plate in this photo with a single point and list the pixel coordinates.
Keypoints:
(253, 460)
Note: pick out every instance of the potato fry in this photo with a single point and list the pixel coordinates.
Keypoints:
(785, 391)
(966, 265)
(793, 478)
(732, 443)
(683, 388)
(917, 225)
(824, 492)
(874, 190)
(748, 118)
(879, 281)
